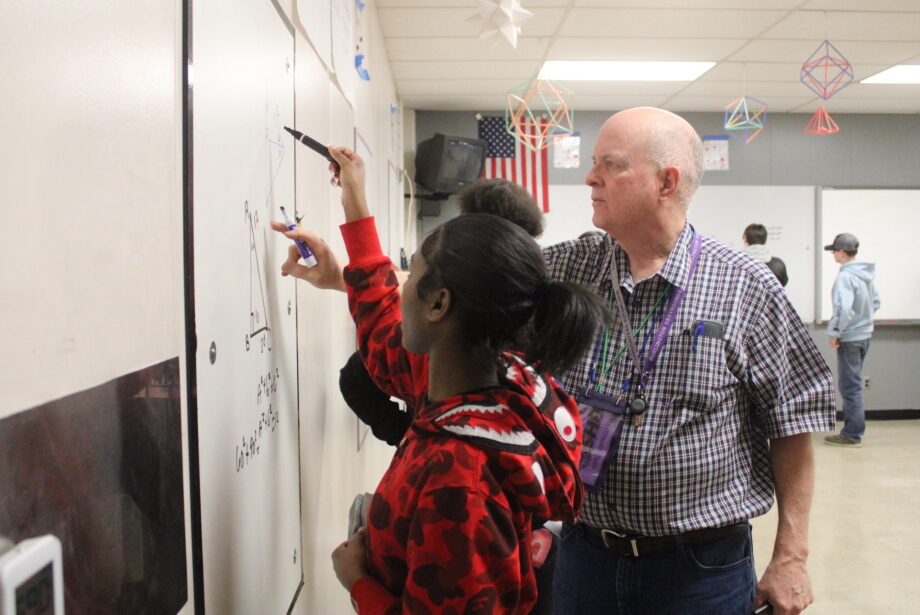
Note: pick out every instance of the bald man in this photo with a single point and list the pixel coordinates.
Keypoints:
(697, 401)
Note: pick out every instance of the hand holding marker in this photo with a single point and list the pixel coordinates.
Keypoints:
(308, 257)
(317, 147)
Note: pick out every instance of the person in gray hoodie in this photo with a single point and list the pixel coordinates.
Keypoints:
(755, 239)
(855, 300)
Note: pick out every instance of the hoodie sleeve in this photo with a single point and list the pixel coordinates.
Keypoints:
(876, 300)
(373, 298)
(463, 557)
(842, 297)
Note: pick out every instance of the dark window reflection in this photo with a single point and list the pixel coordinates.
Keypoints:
(102, 471)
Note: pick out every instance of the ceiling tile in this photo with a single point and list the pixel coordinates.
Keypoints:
(514, 70)
(848, 26)
(454, 22)
(772, 71)
(690, 4)
(621, 88)
(881, 52)
(762, 90)
(665, 23)
(464, 49)
(600, 48)
(471, 4)
(860, 5)
(718, 103)
(471, 87)
(879, 92)
(453, 103)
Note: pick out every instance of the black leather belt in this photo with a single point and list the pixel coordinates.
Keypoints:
(626, 544)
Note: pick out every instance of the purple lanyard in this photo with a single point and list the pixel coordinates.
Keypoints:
(645, 368)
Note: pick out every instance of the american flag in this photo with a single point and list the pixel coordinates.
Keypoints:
(508, 158)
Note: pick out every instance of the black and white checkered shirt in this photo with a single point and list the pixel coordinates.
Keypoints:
(701, 457)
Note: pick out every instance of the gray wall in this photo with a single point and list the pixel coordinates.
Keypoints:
(870, 151)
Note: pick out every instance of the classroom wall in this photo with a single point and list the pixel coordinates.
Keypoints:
(871, 151)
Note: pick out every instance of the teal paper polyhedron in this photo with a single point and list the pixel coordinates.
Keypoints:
(745, 117)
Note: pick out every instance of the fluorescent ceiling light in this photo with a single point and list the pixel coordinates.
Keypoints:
(564, 70)
(903, 73)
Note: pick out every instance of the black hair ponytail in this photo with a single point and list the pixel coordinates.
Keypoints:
(497, 277)
(565, 323)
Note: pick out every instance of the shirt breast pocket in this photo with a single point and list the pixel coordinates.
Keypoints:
(698, 378)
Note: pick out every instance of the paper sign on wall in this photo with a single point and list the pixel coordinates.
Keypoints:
(715, 153)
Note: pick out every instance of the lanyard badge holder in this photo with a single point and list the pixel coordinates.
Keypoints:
(601, 421)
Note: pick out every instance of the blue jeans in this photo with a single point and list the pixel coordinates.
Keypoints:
(850, 356)
(716, 578)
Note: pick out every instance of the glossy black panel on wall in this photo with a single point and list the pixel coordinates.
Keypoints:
(102, 471)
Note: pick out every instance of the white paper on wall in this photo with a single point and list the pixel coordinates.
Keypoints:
(567, 152)
(315, 17)
(343, 47)
(715, 153)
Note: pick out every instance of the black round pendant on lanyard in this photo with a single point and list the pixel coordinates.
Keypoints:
(637, 405)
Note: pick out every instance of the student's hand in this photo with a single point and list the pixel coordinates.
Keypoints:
(326, 274)
(835, 342)
(351, 178)
(348, 559)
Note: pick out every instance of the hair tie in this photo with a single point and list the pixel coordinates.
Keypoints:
(542, 288)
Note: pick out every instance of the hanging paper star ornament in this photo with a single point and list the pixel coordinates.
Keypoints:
(501, 16)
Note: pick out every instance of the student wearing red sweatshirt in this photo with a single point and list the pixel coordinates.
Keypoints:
(495, 442)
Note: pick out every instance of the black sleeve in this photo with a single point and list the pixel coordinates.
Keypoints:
(778, 267)
(372, 406)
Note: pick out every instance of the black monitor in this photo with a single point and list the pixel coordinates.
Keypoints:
(445, 164)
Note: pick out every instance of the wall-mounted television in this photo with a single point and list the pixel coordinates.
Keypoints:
(446, 164)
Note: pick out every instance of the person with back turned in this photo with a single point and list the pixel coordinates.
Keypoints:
(755, 244)
(855, 300)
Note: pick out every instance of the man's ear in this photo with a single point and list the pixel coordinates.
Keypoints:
(670, 179)
(438, 305)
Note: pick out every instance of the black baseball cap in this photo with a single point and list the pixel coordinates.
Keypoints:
(844, 241)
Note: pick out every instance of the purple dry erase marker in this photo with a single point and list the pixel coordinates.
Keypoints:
(308, 257)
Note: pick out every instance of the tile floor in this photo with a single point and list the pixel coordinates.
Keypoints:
(865, 524)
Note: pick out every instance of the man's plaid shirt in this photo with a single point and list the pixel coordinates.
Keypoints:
(701, 457)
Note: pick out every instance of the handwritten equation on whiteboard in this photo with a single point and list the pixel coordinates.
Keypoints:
(250, 445)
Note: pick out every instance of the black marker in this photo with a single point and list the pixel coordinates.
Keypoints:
(313, 144)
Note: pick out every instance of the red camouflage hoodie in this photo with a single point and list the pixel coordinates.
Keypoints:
(449, 527)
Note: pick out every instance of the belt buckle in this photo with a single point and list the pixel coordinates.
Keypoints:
(631, 539)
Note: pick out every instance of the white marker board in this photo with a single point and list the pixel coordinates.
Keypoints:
(788, 212)
(243, 170)
(885, 222)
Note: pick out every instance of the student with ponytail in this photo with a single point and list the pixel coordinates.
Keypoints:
(495, 442)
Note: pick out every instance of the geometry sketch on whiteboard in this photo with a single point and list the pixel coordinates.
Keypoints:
(260, 332)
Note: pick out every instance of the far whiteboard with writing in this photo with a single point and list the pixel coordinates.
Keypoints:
(245, 312)
(788, 212)
(885, 222)
(722, 212)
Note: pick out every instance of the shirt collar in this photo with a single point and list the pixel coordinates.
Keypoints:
(675, 269)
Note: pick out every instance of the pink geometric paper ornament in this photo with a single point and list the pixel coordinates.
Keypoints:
(826, 71)
(539, 112)
(821, 123)
(745, 117)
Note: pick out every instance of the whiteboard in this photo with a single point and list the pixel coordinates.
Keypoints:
(788, 212)
(245, 312)
(722, 212)
(885, 222)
